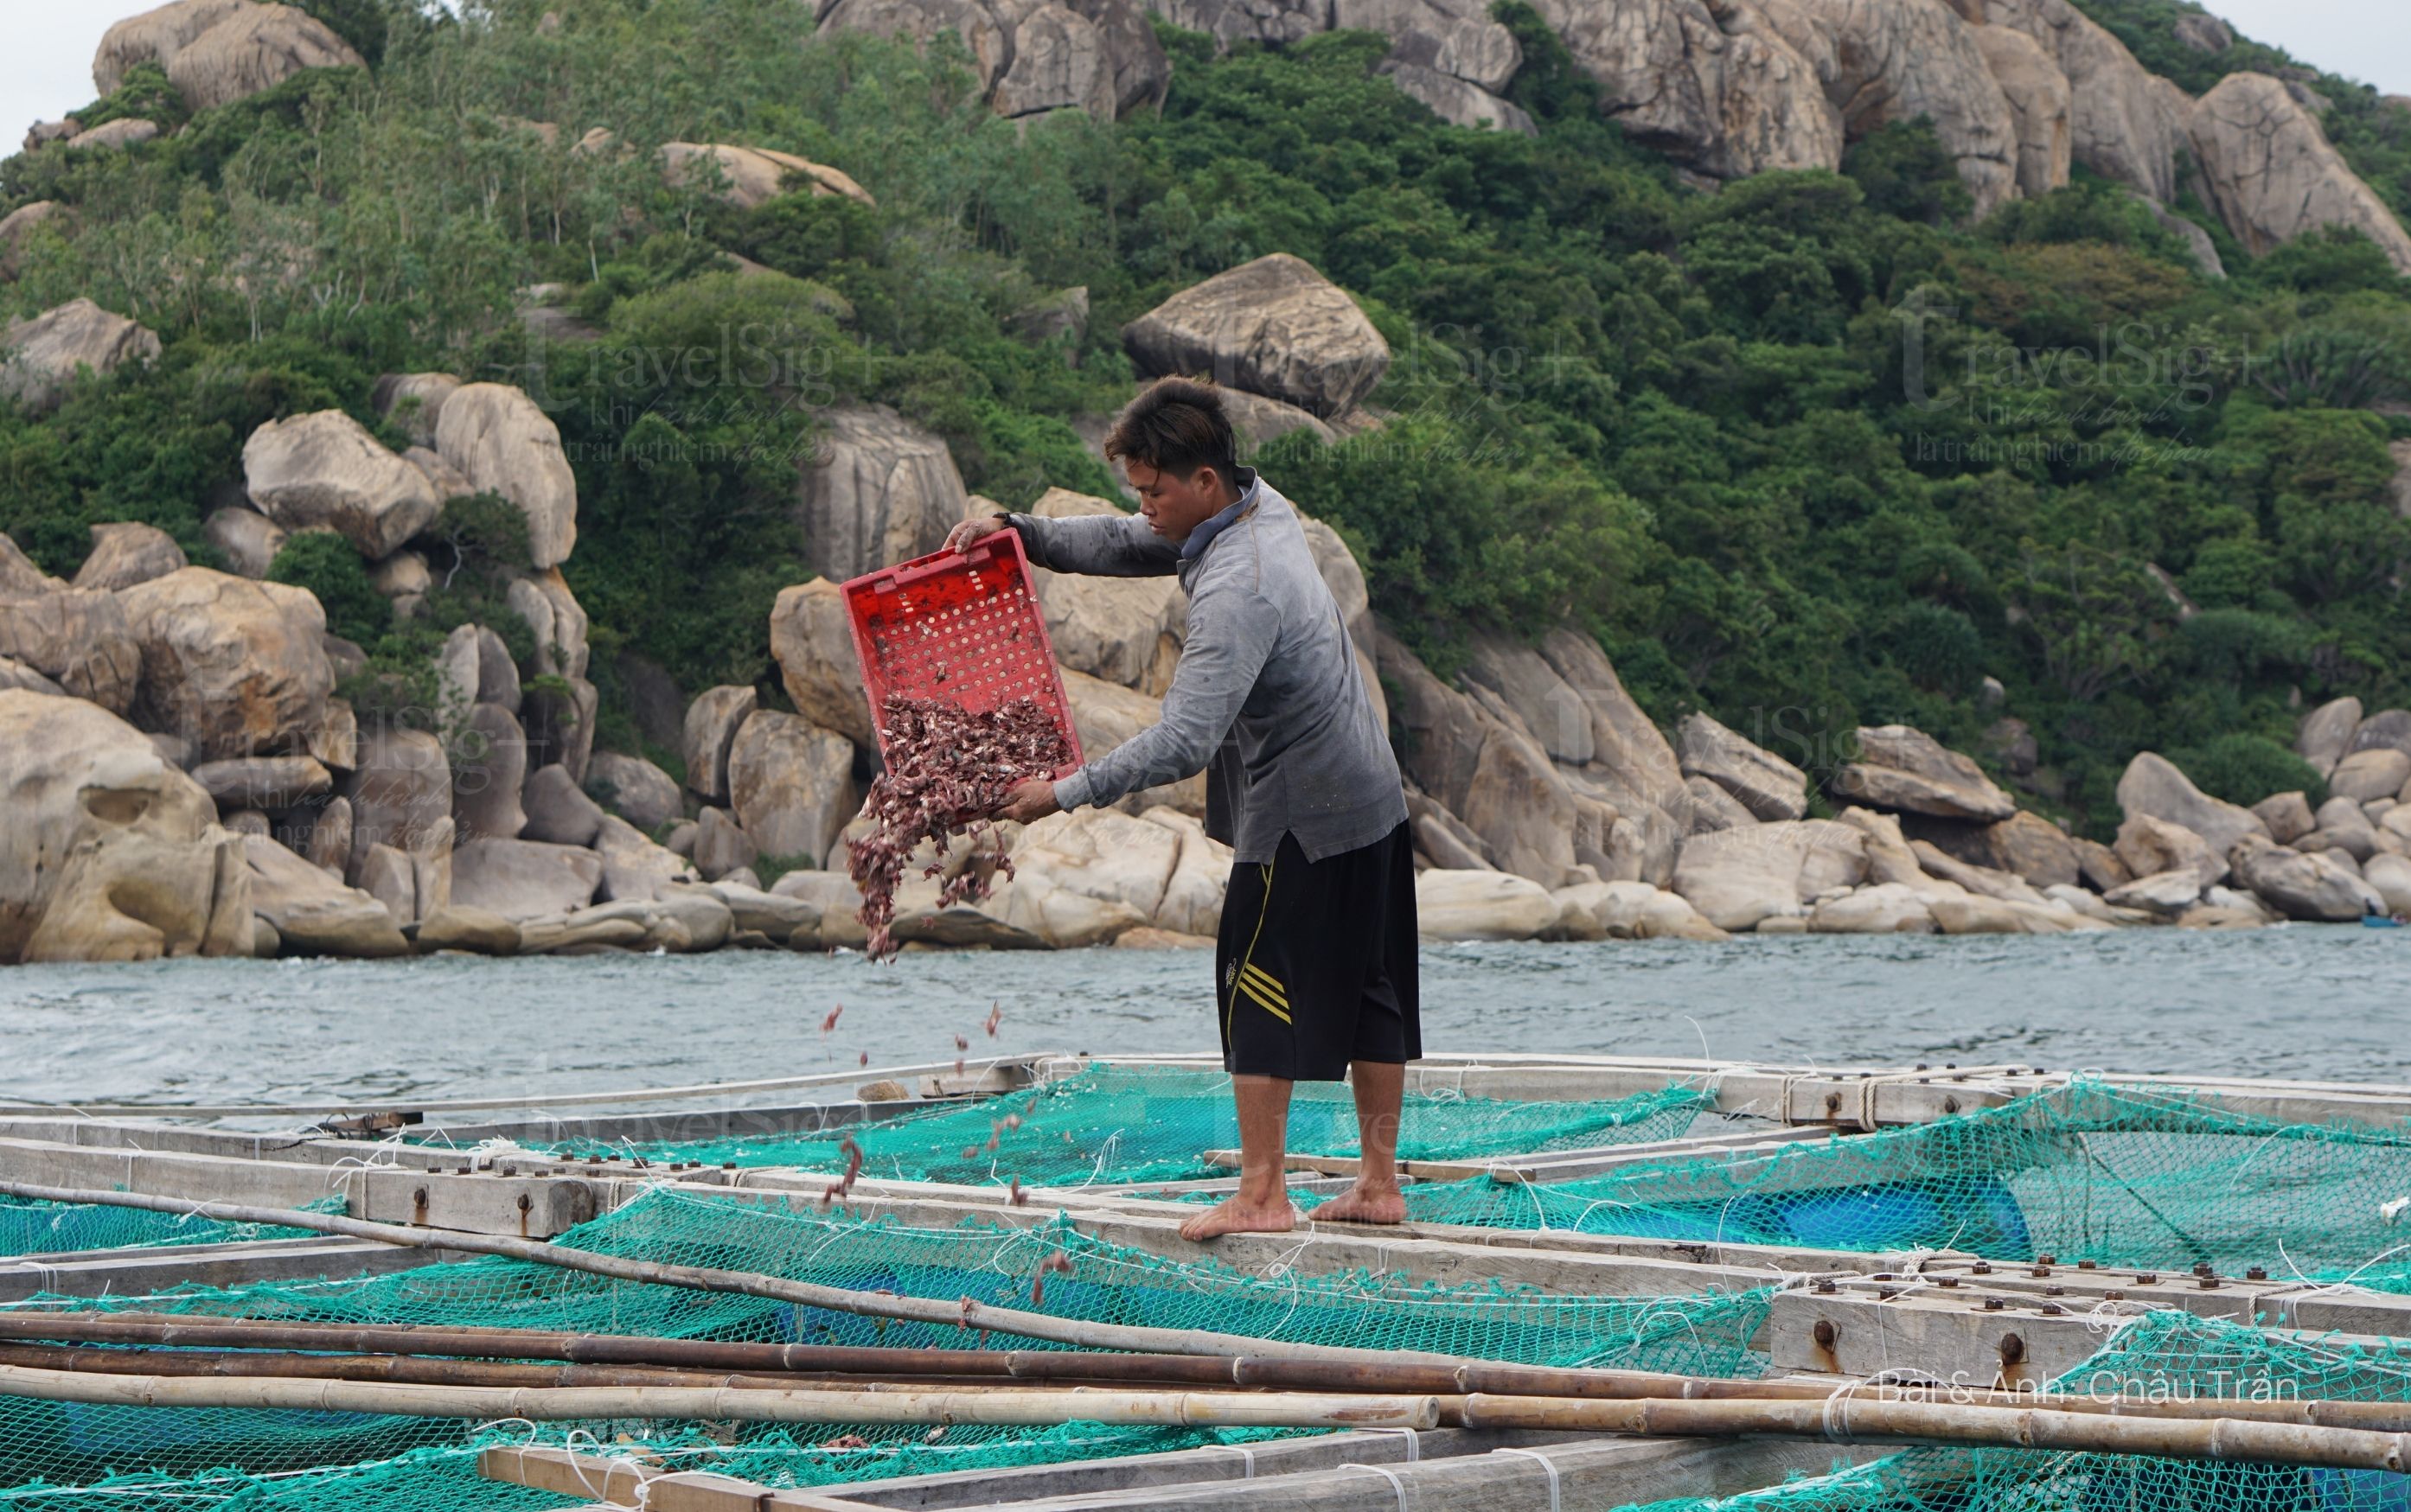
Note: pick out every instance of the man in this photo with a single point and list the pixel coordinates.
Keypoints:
(1315, 959)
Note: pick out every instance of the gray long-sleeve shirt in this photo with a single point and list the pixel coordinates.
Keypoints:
(1267, 699)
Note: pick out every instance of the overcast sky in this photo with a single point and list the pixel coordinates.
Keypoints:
(46, 47)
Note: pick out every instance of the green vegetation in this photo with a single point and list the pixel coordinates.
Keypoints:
(1808, 452)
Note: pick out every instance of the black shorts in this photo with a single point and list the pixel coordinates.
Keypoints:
(1315, 966)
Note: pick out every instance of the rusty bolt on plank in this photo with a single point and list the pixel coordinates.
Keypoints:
(1993, 1305)
(2257, 1273)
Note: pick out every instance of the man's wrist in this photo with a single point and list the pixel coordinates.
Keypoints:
(1075, 791)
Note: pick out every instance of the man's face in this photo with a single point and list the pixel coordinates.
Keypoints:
(1174, 505)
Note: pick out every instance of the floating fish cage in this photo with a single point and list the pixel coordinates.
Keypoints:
(1756, 1227)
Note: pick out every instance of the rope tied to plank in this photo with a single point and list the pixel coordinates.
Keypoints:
(1556, 1503)
(1414, 1441)
(1386, 1474)
(1246, 1459)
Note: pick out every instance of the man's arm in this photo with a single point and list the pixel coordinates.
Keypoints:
(1232, 631)
(1103, 545)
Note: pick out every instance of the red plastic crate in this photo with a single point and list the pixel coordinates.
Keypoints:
(963, 627)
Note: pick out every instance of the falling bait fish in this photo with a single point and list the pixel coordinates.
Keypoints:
(948, 772)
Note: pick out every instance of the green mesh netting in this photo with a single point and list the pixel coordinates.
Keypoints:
(1143, 1124)
(69, 1446)
(2162, 1355)
(2090, 1171)
(32, 1227)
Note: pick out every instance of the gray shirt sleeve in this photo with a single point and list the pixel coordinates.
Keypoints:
(1103, 545)
(1232, 632)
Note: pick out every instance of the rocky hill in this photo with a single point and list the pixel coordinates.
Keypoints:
(427, 451)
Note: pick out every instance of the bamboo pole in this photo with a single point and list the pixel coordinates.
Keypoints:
(1842, 1420)
(1849, 1421)
(1011, 1406)
(173, 1336)
(416, 1369)
(965, 1314)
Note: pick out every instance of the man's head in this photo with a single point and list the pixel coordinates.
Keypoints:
(1174, 442)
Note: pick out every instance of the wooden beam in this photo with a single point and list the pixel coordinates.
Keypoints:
(1592, 1472)
(528, 1206)
(1589, 1472)
(1557, 1165)
(628, 1482)
(135, 1273)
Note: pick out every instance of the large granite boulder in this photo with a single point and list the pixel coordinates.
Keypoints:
(633, 867)
(1273, 326)
(2389, 877)
(2152, 847)
(1192, 903)
(255, 48)
(235, 667)
(490, 766)
(636, 789)
(2125, 121)
(1903, 60)
(1032, 56)
(543, 599)
(2042, 106)
(2271, 173)
(2377, 772)
(1480, 763)
(2288, 815)
(109, 854)
(1764, 783)
(2386, 729)
(879, 490)
(325, 470)
(1631, 764)
(812, 639)
(270, 783)
(400, 793)
(559, 812)
(1229, 23)
(313, 912)
(521, 880)
(1123, 630)
(77, 639)
(155, 36)
(1738, 878)
(712, 722)
(125, 131)
(504, 444)
(791, 783)
(41, 356)
(2153, 785)
(1456, 38)
(1345, 577)
(1482, 905)
(1106, 714)
(1729, 90)
(245, 539)
(126, 553)
(1457, 102)
(2024, 844)
(2327, 732)
(1908, 771)
(750, 176)
(414, 402)
(2307, 887)
(1883, 908)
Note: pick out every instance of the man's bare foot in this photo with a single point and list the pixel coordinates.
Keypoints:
(1235, 1217)
(1365, 1204)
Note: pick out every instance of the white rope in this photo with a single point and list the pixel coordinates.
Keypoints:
(1391, 1475)
(1246, 1459)
(1414, 1441)
(1546, 1463)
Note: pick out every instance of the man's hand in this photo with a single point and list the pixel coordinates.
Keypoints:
(1031, 799)
(962, 537)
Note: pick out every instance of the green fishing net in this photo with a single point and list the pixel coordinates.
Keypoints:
(60, 1444)
(2163, 1356)
(36, 1228)
(1142, 1124)
(2089, 1172)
